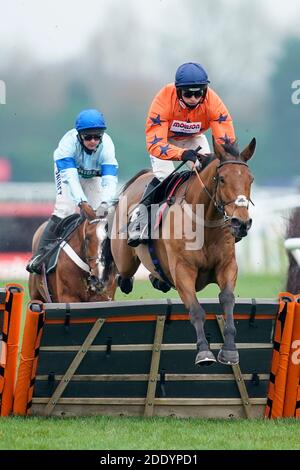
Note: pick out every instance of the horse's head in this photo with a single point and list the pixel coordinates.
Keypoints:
(233, 184)
(91, 244)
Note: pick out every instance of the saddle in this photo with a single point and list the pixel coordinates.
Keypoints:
(165, 193)
(63, 230)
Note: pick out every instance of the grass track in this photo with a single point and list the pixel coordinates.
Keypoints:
(105, 433)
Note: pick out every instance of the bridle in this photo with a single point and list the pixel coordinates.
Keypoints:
(220, 205)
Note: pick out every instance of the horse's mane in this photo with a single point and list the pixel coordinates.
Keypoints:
(231, 148)
(135, 177)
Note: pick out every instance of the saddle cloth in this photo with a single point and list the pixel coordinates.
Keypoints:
(63, 229)
(165, 194)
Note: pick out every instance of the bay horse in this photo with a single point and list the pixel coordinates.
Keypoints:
(71, 282)
(223, 188)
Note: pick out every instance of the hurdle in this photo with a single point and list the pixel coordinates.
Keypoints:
(11, 300)
(137, 359)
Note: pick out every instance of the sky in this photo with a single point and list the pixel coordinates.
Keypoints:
(59, 30)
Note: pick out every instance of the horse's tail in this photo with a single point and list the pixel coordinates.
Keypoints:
(106, 258)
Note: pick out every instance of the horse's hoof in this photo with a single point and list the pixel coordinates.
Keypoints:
(229, 358)
(125, 284)
(205, 358)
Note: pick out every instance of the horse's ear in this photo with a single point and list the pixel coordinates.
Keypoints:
(218, 150)
(247, 153)
(87, 211)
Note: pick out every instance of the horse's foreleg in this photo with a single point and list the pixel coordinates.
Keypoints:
(185, 282)
(228, 354)
(126, 262)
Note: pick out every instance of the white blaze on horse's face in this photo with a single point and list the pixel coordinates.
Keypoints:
(101, 234)
(241, 201)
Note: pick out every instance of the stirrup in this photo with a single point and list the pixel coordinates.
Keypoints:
(138, 237)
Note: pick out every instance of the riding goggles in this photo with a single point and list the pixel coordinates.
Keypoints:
(197, 92)
(89, 137)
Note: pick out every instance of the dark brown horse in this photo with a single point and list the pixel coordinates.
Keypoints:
(223, 192)
(293, 233)
(75, 280)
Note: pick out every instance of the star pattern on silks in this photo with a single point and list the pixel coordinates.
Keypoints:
(221, 118)
(164, 149)
(156, 139)
(226, 139)
(156, 121)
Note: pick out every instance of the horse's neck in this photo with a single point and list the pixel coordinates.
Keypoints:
(77, 241)
(196, 193)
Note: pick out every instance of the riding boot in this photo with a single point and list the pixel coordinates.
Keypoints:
(138, 223)
(46, 242)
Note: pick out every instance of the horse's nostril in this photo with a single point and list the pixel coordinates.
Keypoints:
(235, 222)
(249, 224)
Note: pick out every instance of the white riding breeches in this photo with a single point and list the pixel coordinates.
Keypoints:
(64, 204)
(162, 168)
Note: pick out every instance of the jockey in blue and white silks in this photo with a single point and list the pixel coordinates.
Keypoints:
(86, 170)
(84, 176)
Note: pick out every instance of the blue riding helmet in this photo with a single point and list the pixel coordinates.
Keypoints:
(190, 74)
(90, 119)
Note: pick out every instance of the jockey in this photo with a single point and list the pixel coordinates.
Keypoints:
(178, 117)
(85, 169)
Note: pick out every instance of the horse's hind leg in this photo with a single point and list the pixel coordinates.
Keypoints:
(185, 285)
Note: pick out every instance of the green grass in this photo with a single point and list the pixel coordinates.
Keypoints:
(107, 433)
(113, 433)
(264, 285)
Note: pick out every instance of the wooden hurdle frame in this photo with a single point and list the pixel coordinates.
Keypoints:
(137, 358)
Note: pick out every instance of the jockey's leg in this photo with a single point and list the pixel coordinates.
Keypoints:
(46, 241)
(138, 224)
(64, 206)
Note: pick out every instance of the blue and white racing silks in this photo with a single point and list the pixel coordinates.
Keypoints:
(73, 163)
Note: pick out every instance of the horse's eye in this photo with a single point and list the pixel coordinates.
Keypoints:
(221, 179)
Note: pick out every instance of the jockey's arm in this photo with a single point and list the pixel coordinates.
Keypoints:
(69, 175)
(109, 172)
(220, 120)
(157, 127)
(66, 165)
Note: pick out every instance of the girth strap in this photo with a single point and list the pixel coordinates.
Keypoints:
(156, 263)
